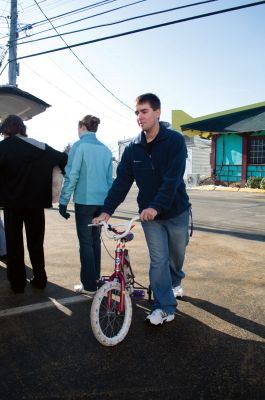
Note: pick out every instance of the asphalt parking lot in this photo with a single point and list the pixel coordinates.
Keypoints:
(214, 349)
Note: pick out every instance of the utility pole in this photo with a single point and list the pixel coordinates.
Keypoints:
(13, 66)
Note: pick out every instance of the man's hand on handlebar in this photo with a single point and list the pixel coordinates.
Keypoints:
(102, 217)
(148, 214)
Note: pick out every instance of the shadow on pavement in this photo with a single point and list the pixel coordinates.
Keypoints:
(184, 359)
(242, 235)
(227, 315)
(31, 294)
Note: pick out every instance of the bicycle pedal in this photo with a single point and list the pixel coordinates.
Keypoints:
(138, 293)
(102, 281)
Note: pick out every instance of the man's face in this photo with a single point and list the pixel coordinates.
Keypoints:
(147, 118)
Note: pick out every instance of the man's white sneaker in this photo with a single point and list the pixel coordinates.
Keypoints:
(80, 289)
(178, 291)
(158, 317)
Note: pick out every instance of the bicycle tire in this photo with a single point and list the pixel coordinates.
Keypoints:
(108, 327)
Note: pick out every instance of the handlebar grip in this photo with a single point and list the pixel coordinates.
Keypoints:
(128, 237)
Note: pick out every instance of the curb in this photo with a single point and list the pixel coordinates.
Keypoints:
(252, 190)
(225, 189)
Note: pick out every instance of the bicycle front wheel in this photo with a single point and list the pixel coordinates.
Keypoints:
(109, 325)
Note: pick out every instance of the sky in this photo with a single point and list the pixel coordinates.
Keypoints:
(200, 66)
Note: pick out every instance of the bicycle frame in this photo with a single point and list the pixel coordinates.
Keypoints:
(121, 259)
(118, 275)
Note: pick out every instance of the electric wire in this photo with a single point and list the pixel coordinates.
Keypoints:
(81, 86)
(95, 5)
(81, 62)
(32, 11)
(119, 22)
(3, 10)
(54, 3)
(75, 99)
(91, 16)
(143, 29)
(138, 30)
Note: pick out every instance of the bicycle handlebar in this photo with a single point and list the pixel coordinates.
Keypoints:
(116, 236)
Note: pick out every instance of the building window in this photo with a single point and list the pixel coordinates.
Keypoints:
(256, 150)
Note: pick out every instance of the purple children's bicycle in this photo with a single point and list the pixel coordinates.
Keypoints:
(111, 310)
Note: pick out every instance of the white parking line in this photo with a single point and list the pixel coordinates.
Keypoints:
(57, 303)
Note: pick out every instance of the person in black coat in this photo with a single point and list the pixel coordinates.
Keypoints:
(26, 167)
(2, 242)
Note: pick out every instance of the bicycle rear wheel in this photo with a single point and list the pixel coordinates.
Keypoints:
(108, 325)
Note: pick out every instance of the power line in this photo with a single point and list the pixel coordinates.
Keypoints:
(54, 3)
(33, 5)
(78, 100)
(144, 29)
(138, 30)
(95, 5)
(81, 86)
(88, 70)
(121, 21)
(91, 16)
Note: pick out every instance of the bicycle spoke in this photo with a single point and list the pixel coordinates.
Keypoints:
(110, 321)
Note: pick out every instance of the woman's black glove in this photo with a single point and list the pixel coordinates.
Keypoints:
(62, 211)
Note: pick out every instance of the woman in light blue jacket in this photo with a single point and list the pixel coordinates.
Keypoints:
(88, 177)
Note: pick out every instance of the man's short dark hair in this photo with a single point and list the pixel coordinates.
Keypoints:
(13, 125)
(150, 98)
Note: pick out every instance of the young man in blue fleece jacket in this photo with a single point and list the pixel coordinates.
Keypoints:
(89, 177)
(156, 161)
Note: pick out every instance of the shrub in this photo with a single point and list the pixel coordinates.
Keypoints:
(262, 183)
(235, 185)
(253, 182)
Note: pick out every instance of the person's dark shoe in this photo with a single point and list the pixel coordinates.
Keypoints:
(39, 284)
(17, 289)
(3, 259)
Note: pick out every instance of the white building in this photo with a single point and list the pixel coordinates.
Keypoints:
(198, 162)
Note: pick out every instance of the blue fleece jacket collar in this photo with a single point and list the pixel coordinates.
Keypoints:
(85, 133)
(162, 135)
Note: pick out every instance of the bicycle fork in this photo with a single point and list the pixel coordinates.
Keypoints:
(118, 275)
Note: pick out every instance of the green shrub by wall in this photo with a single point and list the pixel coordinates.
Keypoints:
(253, 182)
(262, 183)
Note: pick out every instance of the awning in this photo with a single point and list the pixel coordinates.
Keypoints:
(247, 120)
(16, 101)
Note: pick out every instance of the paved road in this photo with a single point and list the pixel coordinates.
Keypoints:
(241, 214)
(214, 349)
(235, 213)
